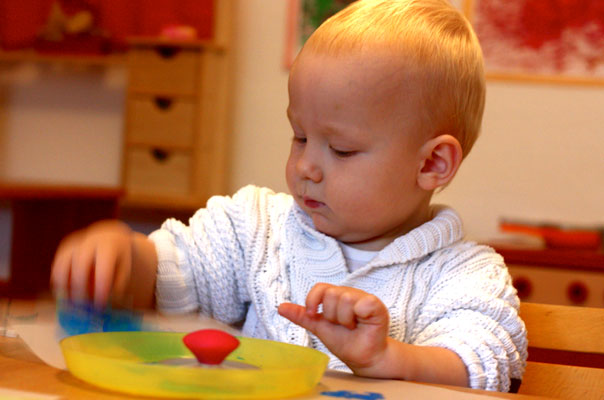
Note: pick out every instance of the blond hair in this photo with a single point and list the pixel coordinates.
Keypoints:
(435, 41)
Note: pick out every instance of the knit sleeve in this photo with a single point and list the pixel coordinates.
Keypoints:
(202, 265)
(472, 309)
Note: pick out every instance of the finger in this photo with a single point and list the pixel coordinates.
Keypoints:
(345, 311)
(104, 270)
(299, 316)
(315, 297)
(82, 264)
(331, 299)
(61, 265)
(122, 277)
(370, 309)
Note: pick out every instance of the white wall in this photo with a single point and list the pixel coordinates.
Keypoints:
(540, 156)
(261, 131)
(61, 123)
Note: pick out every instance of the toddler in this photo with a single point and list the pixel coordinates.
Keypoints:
(385, 100)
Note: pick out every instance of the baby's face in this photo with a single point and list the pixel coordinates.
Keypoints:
(354, 157)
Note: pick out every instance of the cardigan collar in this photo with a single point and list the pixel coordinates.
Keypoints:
(323, 254)
(444, 229)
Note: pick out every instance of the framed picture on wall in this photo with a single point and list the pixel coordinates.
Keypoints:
(554, 41)
(303, 17)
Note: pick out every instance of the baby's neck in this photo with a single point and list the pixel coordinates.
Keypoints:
(356, 258)
(422, 215)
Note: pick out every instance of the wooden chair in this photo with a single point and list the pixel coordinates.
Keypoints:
(566, 351)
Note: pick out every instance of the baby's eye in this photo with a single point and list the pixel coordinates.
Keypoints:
(343, 153)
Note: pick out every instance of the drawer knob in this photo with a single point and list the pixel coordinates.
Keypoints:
(167, 51)
(524, 287)
(163, 103)
(577, 292)
(160, 155)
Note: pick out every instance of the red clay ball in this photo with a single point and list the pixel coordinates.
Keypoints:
(210, 346)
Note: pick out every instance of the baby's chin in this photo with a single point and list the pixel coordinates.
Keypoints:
(324, 223)
(356, 240)
(327, 228)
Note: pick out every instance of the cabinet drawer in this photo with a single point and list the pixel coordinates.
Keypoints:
(164, 70)
(564, 286)
(161, 121)
(150, 171)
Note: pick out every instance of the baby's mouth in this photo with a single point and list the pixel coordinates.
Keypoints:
(312, 203)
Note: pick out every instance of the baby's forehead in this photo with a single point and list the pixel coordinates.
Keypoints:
(360, 87)
(377, 60)
(369, 69)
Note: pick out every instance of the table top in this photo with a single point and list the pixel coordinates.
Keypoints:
(22, 370)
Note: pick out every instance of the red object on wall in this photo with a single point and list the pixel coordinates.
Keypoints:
(195, 13)
(124, 18)
(21, 21)
(119, 19)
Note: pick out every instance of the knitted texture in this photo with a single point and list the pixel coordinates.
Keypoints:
(240, 257)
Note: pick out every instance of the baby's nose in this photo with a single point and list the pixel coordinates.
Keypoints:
(309, 168)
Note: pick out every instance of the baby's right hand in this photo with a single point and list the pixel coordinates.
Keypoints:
(94, 263)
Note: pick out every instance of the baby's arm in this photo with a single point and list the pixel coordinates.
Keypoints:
(354, 327)
(106, 262)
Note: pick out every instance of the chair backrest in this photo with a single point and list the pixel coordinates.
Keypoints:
(566, 351)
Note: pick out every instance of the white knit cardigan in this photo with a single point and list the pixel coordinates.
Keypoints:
(240, 257)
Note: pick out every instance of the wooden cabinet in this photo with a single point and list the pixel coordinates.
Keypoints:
(557, 276)
(176, 125)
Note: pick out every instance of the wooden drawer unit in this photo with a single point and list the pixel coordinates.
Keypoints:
(161, 121)
(154, 171)
(571, 287)
(164, 69)
(557, 276)
(176, 124)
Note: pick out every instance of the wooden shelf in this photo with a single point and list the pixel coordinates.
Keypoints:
(167, 202)
(76, 59)
(164, 146)
(155, 93)
(32, 190)
(154, 41)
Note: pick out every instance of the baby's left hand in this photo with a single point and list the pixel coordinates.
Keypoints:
(353, 324)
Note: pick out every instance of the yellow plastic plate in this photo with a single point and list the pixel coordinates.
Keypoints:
(130, 362)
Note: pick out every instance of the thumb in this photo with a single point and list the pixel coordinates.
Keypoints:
(298, 315)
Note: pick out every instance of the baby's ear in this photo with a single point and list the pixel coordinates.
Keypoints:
(440, 160)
